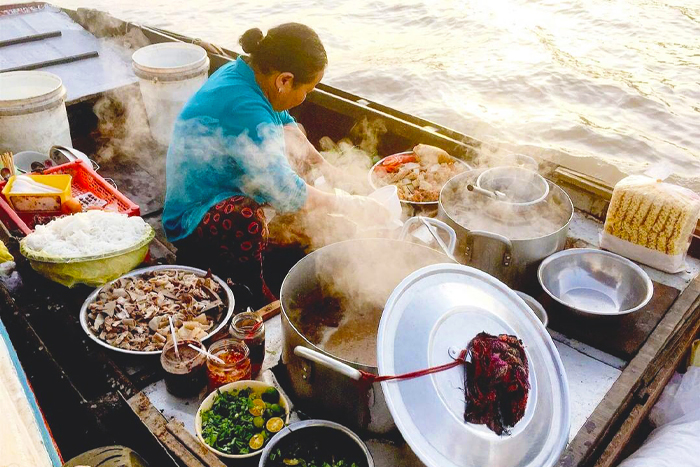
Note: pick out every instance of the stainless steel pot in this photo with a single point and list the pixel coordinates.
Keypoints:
(512, 261)
(328, 382)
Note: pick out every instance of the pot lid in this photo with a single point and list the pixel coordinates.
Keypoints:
(434, 313)
(477, 212)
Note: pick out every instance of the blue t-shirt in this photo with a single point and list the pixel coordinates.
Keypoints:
(227, 141)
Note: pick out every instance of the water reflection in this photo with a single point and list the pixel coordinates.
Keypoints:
(617, 81)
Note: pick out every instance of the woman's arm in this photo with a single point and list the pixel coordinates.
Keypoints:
(303, 155)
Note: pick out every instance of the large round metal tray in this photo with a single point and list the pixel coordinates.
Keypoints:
(373, 183)
(227, 297)
(429, 318)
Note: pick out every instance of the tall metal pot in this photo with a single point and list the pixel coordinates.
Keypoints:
(514, 262)
(329, 384)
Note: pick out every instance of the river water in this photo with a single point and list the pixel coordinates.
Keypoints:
(614, 81)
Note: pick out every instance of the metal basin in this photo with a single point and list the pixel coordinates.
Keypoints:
(595, 282)
(344, 441)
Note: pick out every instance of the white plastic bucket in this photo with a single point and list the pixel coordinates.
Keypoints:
(32, 112)
(169, 74)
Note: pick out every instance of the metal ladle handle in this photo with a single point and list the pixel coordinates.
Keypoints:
(329, 362)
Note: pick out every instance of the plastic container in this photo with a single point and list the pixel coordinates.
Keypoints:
(169, 74)
(84, 180)
(651, 222)
(39, 201)
(32, 112)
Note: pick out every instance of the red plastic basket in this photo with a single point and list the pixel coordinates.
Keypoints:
(84, 180)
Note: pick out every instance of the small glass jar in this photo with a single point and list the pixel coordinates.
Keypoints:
(185, 376)
(236, 363)
(248, 327)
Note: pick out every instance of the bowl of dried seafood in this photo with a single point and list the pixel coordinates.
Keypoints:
(419, 175)
(131, 314)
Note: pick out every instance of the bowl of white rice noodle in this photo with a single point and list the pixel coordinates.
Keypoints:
(93, 247)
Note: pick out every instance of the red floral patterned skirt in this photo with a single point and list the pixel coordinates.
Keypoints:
(231, 240)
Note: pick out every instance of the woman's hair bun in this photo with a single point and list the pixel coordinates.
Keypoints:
(250, 40)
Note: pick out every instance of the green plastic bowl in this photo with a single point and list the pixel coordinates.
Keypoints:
(90, 270)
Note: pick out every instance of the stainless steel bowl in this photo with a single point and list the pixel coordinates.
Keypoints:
(595, 282)
(328, 432)
(535, 306)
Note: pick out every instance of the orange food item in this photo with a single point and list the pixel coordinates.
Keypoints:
(71, 206)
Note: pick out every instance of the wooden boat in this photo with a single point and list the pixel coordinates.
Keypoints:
(92, 397)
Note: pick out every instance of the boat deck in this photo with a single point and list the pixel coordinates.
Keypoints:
(94, 397)
(105, 381)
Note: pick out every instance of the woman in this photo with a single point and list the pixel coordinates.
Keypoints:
(228, 157)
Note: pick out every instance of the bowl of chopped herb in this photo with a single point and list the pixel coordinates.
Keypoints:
(238, 419)
(316, 443)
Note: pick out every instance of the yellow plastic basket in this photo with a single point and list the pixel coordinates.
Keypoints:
(28, 202)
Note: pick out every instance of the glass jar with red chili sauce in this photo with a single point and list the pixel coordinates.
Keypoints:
(232, 363)
(248, 327)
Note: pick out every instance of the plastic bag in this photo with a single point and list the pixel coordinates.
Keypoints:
(5, 255)
(677, 416)
(651, 222)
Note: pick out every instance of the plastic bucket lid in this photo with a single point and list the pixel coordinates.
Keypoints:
(170, 61)
(28, 91)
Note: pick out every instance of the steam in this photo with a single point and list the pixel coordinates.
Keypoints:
(351, 282)
(123, 133)
(475, 211)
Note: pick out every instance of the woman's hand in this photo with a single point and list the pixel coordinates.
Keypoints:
(361, 209)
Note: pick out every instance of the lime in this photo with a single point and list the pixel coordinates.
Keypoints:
(276, 410)
(258, 422)
(274, 424)
(256, 441)
(258, 408)
(271, 395)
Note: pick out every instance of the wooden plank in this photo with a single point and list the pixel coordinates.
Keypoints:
(641, 370)
(205, 455)
(31, 38)
(673, 357)
(157, 424)
(57, 61)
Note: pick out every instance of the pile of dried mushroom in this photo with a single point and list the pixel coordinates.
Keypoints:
(132, 313)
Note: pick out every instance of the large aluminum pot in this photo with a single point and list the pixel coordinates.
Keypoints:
(513, 261)
(361, 268)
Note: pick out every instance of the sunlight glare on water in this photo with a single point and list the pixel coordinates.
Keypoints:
(615, 81)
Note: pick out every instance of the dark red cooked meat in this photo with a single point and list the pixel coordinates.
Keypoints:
(496, 382)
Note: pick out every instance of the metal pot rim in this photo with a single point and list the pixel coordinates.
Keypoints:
(315, 423)
(553, 185)
(360, 366)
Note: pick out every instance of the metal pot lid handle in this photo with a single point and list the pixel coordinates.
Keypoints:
(435, 223)
(328, 362)
(508, 245)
